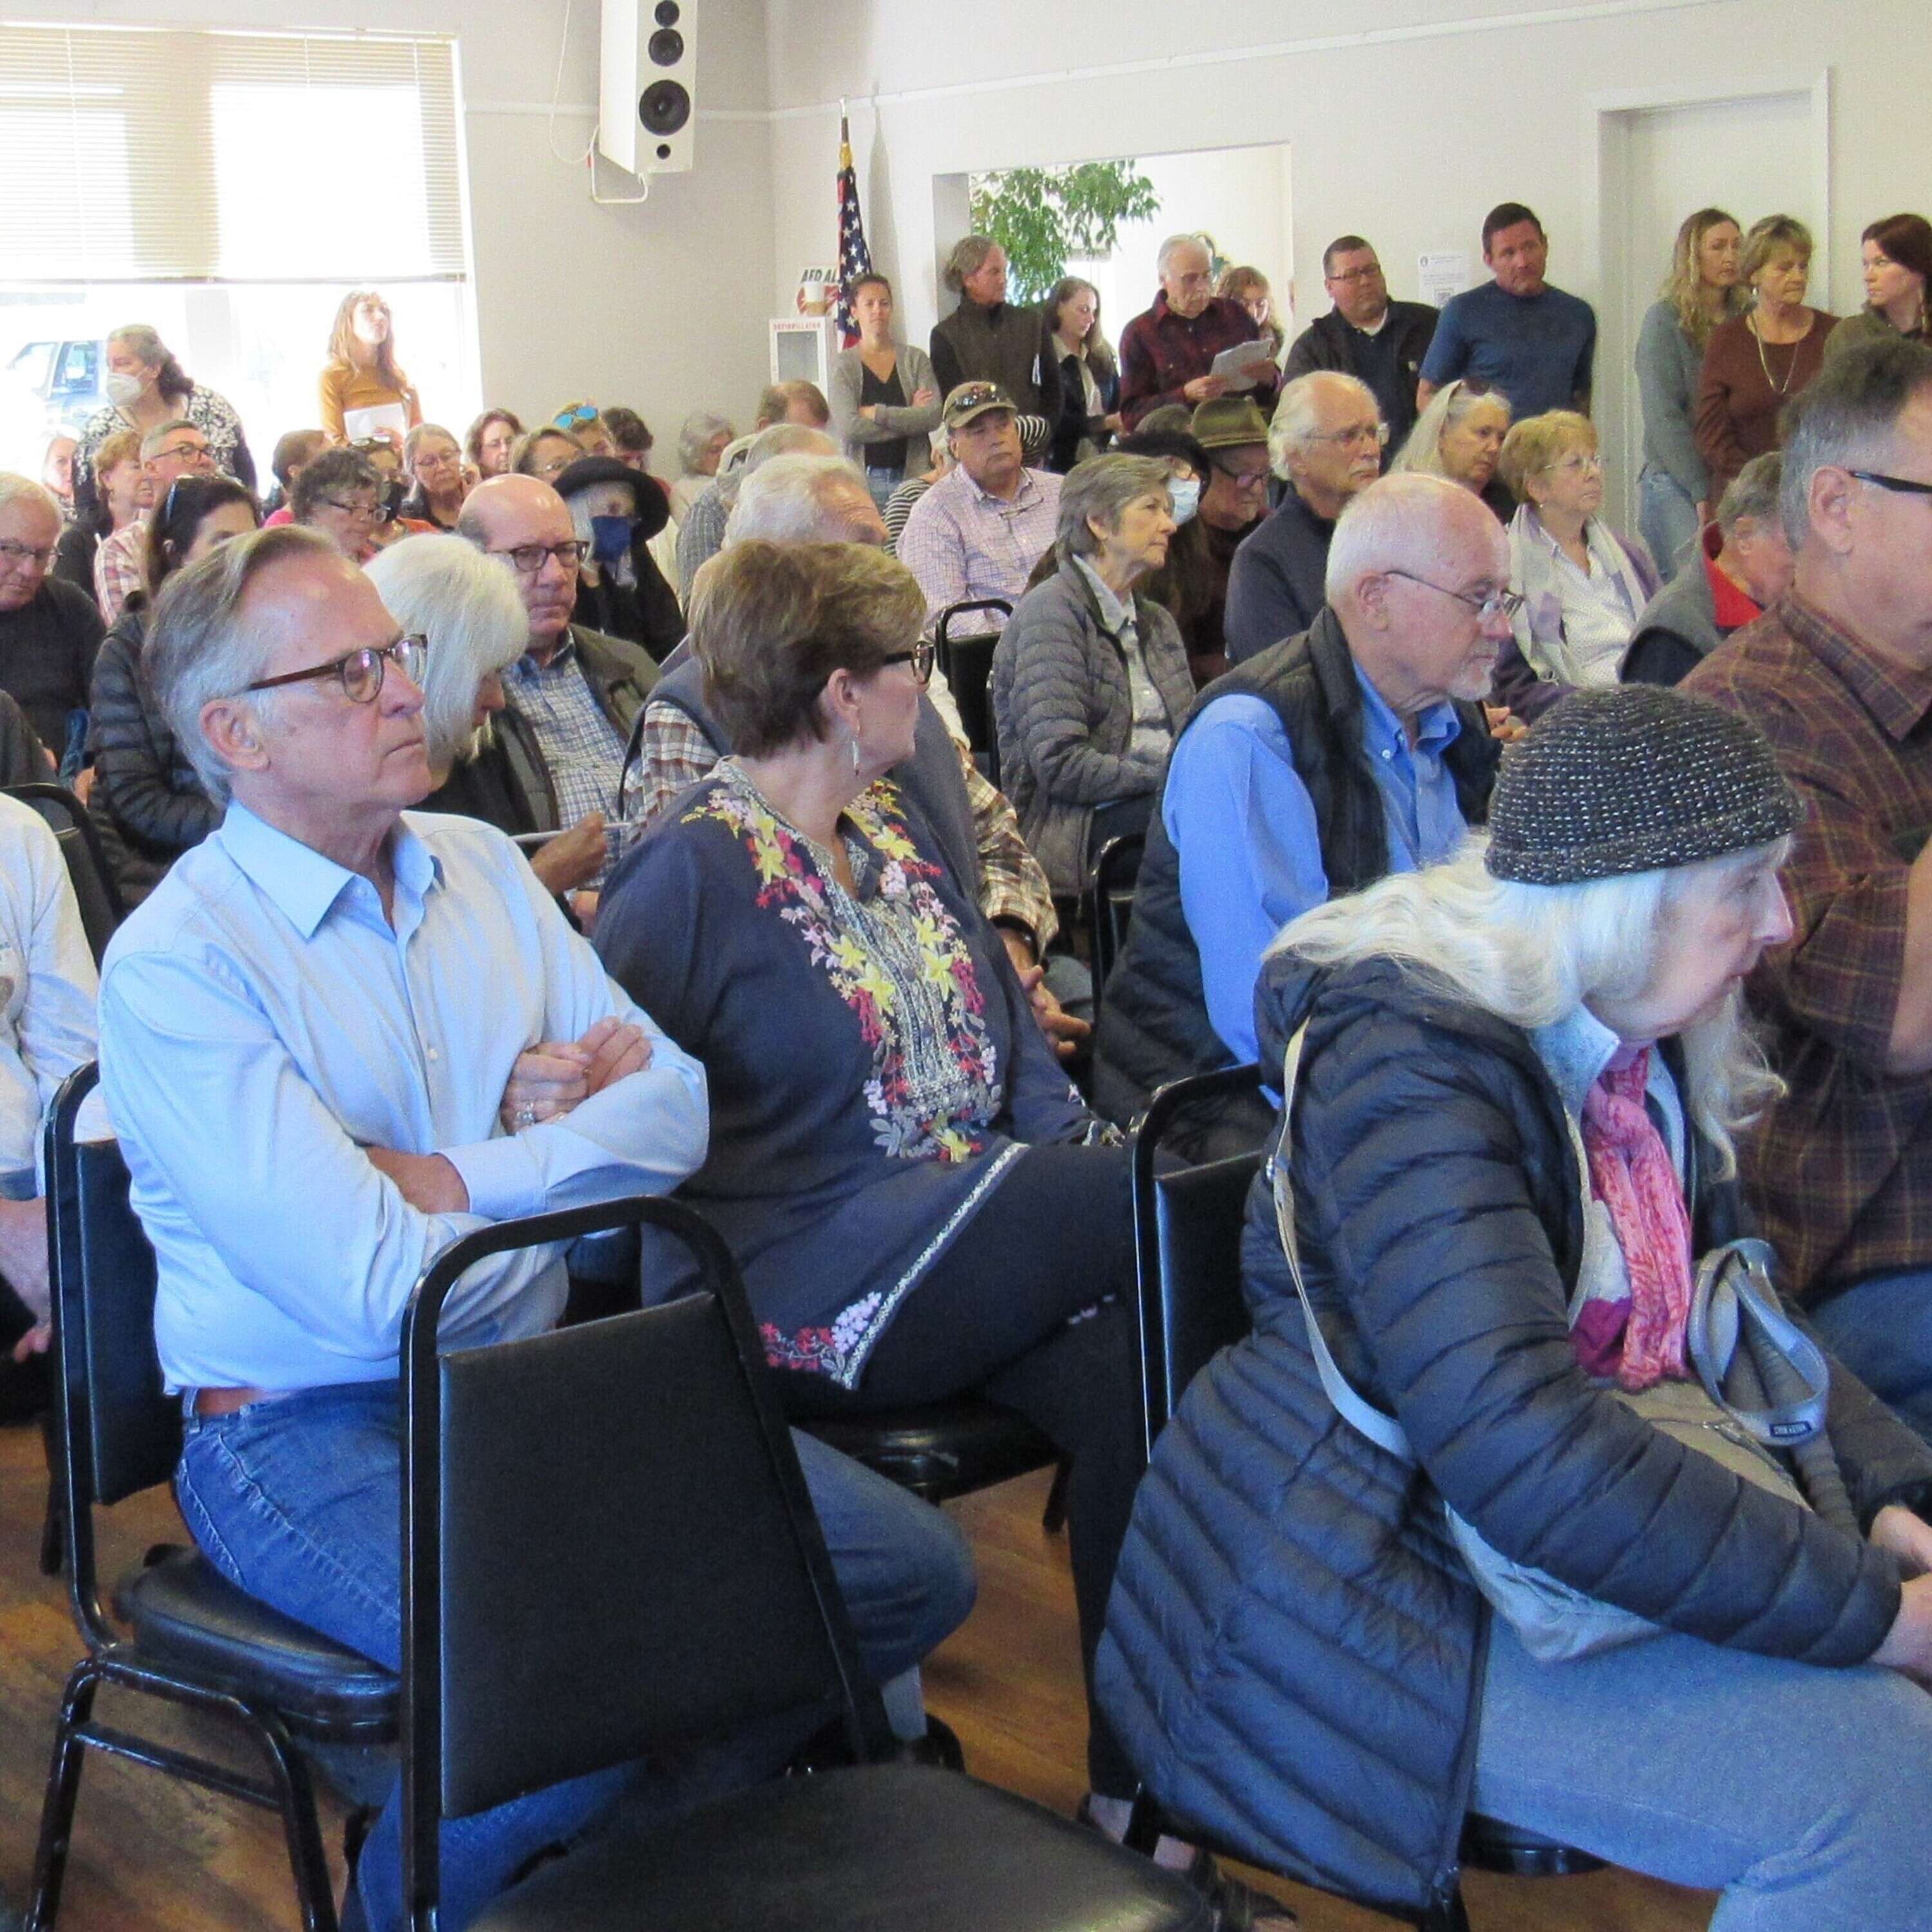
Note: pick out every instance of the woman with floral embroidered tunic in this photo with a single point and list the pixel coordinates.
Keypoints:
(876, 1078)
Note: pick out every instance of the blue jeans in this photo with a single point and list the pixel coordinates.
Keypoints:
(1805, 1796)
(1666, 519)
(882, 483)
(298, 1500)
(1881, 1329)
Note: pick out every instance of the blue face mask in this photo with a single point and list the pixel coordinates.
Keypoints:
(1185, 492)
(611, 537)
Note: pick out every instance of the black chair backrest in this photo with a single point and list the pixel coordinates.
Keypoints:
(1187, 1248)
(1115, 872)
(967, 664)
(610, 1544)
(120, 1432)
(95, 887)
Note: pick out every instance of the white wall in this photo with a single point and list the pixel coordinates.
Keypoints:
(1408, 118)
(653, 305)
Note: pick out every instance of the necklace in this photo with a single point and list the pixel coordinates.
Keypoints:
(1764, 361)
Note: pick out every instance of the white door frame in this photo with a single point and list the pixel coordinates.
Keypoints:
(1614, 403)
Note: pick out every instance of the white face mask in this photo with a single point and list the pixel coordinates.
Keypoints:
(1185, 493)
(122, 390)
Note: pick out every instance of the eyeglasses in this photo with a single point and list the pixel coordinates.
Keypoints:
(180, 449)
(1242, 479)
(368, 510)
(1903, 486)
(1377, 433)
(581, 413)
(1374, 268)
(360, 672)
(1498, 603)
(15, 555)
(1576, 463)
(974, 396)
(919, 657)
(528, 559)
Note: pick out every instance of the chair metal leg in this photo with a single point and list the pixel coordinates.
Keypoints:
(63, 1793)
(308, 1862)
(1053, 1518)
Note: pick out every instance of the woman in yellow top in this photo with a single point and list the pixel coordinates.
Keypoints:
(362, 372)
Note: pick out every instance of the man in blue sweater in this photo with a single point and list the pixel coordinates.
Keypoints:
(1534, 343)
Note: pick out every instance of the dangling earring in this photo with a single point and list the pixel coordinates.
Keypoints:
(854, 742)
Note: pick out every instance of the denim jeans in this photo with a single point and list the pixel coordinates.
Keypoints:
(1881, 1329)
(298, 1500)
(1666, 519)
(1805, 1796)
(881, 483)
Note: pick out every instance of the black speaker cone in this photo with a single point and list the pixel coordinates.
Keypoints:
(666, 13)
(664, 107)
(665, 47)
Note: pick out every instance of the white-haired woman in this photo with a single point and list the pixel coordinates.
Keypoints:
(465, 603)
(701, 445)
(1513, 1082)
(1090, 680)
(1460, 436)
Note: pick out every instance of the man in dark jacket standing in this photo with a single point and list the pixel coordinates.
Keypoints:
(1167, 354)
(1326, 442)
(1365, 335)
(574, 694)
(1335, 757)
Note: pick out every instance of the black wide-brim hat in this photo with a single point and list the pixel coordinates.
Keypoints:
(1634, 779)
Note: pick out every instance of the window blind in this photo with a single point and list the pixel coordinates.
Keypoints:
(146, 154)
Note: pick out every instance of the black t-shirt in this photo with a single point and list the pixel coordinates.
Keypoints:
(47, 649)
(892, 393)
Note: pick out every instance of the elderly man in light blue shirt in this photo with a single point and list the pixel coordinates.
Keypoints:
(336, 1038)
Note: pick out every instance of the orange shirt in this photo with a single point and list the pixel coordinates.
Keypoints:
(343, 388)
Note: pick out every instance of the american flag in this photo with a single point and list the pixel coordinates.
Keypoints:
(854, 257)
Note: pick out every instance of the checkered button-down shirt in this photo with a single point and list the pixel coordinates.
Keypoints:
(120, 569)
(961, 543)
(581, 748)
(1840, 1169)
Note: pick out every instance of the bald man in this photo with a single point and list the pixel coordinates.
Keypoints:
(573, 696)
(1357, 749)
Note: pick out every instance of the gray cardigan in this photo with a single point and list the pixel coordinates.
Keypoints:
(1064, 712)
(848, 385)
(1669, 365)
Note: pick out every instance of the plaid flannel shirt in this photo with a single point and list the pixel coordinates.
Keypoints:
(1840, 1169)
(672, 754)
(120, 569)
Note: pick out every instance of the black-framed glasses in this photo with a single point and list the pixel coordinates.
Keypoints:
(1902, 486)
(1498, 603)
(182, 449)
(360, 672)
(1359, 275)
(364, 509)
(920, 657)
(528, 559)
(1242, 479)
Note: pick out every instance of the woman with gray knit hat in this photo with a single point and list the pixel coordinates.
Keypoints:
(1491, 1510)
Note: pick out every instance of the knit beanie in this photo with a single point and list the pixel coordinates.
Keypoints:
(1633, 779)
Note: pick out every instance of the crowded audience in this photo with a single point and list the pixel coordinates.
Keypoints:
(1560, 886)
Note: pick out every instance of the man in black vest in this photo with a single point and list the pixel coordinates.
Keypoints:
(1358, 748)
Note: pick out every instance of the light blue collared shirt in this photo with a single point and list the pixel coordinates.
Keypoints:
(1243, 827)
(262, 1023)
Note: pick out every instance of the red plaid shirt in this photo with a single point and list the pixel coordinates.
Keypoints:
(1840, 1170)
(1161, 352)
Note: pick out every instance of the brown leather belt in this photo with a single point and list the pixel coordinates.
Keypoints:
(227, 1401)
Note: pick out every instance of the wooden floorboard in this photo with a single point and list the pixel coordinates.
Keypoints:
(150, 1851)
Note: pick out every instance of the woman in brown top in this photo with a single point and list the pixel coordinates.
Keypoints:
(1753, 364)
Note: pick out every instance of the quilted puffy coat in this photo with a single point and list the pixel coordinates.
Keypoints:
(1295, 1651)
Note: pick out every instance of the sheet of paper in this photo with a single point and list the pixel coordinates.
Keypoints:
(373, 421)
(1243, 365)
(1446, 272)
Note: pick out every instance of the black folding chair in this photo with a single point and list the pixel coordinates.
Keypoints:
(98, 892)
(967, 664)
(191, 1638)
(1187, 1262)
(1110, 906)
(610, 1550)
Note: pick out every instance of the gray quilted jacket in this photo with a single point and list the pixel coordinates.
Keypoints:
(1064, 714)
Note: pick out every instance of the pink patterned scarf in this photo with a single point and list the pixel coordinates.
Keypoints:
(1631, 1174)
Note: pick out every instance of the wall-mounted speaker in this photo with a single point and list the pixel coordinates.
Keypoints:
(648, 85)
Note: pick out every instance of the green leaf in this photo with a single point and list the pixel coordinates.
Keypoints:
(1042, 217)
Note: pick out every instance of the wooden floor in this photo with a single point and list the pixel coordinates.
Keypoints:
(150, 1851)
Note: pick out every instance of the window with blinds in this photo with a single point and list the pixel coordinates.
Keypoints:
(152, 154)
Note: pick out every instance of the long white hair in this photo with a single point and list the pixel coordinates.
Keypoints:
(1531, 955)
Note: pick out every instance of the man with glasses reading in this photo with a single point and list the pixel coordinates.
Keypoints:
(1358, 748)
(1838, 674)
(1326, 442)
(338, 1037)
(1167, 351)
(573, 697)
(50, 632)
(177, 448)
(1366, 335)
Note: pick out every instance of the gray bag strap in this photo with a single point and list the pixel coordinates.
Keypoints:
(1733, 1292)
(1355, 1410)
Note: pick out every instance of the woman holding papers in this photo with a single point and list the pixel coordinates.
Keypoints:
(363, 393)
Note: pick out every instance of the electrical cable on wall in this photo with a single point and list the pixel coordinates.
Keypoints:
(587, 160)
